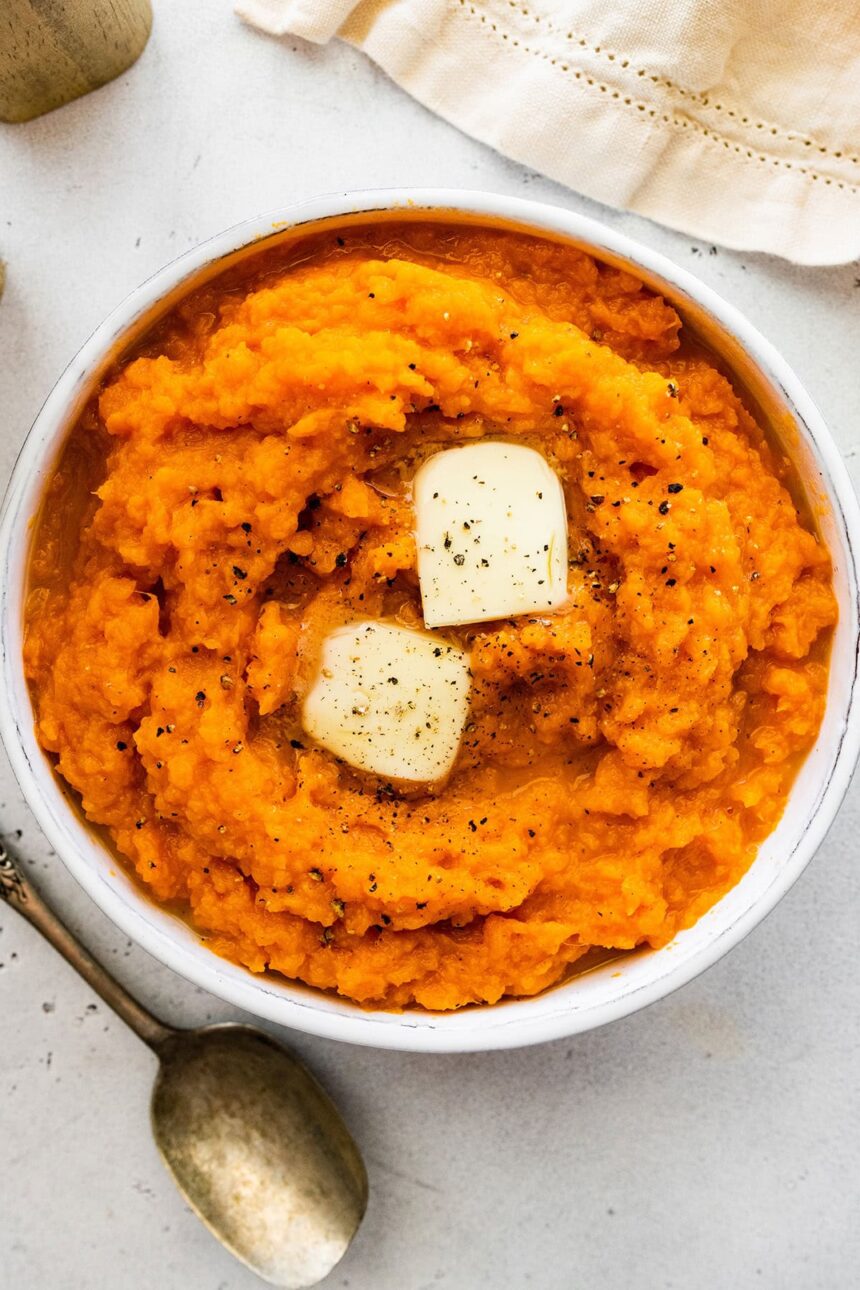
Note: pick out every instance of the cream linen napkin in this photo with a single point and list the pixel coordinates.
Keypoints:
(736, 121)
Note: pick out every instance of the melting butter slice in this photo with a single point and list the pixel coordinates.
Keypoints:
(390, 700)
(491, 532)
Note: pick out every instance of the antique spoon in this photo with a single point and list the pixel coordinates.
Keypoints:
(257, 1148)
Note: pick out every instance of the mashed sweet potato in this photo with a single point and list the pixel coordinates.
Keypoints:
(251, 468)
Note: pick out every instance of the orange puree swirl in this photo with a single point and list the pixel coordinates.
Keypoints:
(624, 756)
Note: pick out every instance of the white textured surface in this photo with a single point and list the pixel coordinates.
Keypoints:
(711, 1143)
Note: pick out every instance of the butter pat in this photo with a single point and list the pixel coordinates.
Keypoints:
(389, 700)
(491, 532)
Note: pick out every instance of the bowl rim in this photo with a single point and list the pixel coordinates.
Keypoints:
(551, 1015)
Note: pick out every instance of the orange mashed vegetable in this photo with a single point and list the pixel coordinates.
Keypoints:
(242, 485)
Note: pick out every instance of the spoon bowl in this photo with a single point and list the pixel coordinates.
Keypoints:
(259, 1150)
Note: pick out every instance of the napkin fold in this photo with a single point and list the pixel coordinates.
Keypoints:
(735, 121)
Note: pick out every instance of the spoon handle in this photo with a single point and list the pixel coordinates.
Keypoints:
(17, 890)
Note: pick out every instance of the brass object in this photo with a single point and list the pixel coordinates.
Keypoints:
(253, 1142)
(53, 51)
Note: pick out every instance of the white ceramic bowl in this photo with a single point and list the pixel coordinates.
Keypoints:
(600, 996)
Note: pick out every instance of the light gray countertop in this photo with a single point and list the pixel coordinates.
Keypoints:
(709, 1143)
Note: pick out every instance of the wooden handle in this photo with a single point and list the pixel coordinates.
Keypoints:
(52, 51)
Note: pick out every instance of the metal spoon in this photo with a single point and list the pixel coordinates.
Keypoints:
(257, 1148)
